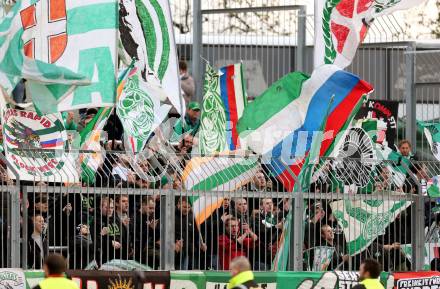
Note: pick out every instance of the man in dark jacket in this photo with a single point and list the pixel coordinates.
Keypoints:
(242, 276)
(147, 233)
(106, 232)
(339, 256)
(37, 244)
(188, 241)
(268, 227)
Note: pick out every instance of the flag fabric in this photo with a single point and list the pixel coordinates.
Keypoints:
(281, 258)
(362, 221)
(90, 136)
(281, 123)
(322, 256)
(431, 252)
(341, 26)
(35, 146)
(146, 30)
(433, 187)
(432, 134)
(220, 173)
(90, 141)
(24, 53)
(223, 103)
(83, 38)
(140, 110)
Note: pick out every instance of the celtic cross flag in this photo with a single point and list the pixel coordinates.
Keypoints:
(140, 110)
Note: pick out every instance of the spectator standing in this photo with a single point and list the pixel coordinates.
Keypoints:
(267, 226)
(369, 273)
(148, 230)
(186, 82)
(82, 247)
(233, 244)
(212, 228)
(125, 224)
(188, 241)
(339, 255)
(191, 123)
(106, 232)
(37, 244)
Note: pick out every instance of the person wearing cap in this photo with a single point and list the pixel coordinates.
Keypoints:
(54, 274)
(191, 123)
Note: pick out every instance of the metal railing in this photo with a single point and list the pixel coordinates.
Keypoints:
(188, 212)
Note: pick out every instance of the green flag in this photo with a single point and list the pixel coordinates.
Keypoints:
(84, 41)
(21, 49)
(363, 221)
(432, 134)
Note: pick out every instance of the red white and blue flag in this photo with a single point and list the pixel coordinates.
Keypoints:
(224, 101)
(234, 100)
(282, 123)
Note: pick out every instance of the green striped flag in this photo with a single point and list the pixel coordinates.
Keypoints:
(90, 141)
(82, 38)
(217, 173)
(146, 30)
(24, 53)
(90, 137)
(362, 221)
(432, 133)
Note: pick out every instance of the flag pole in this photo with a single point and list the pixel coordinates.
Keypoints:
(116, 73)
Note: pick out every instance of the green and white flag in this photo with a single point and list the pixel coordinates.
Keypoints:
(36, 145)
(146, 31)
(322, 256)
(90, 141)
(431, 252)
(212, 134)
(432, 133)
(30, 44)
(140, 110)
(82, 37)
(222, 173)
(363, 221)
(91, 135)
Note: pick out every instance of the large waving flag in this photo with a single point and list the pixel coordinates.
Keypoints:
(363, 221)
(24, 53)
(146, 30)
(216, 174)
(281, 123)
(341, 26)
(140, 110)
(79, 35)
(223, 104)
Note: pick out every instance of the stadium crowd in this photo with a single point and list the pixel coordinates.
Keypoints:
(91, 229)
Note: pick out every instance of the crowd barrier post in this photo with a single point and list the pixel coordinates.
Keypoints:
(410, 95)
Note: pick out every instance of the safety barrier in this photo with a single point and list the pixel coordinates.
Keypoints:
(186, 211)
(17, 279)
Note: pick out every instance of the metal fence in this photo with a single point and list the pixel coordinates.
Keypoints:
(150, 210)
